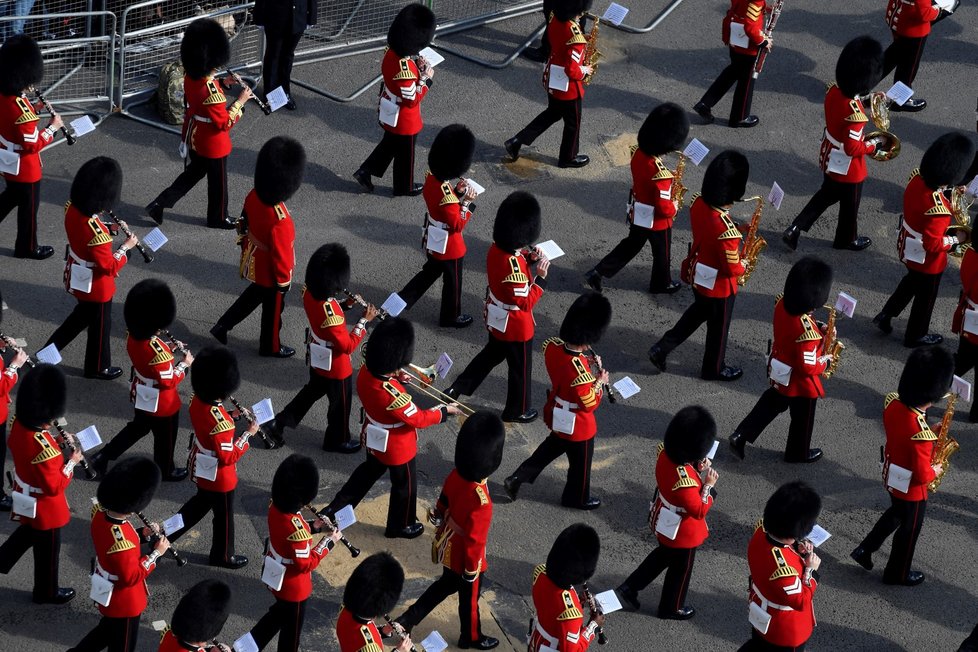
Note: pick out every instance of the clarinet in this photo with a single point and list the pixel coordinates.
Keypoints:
(250, 418)
(802, 549)
(608, 390)
(125, 229)
(331, 527)
(356, 298)
(89, 471)
(9, 341)
(261, 103)
(768, 30)
(69, 138)
(181, 561)
(595, 610)
(399, 630)
(175, 345)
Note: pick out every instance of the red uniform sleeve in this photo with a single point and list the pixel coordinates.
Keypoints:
(573, 636)
(347, 341)
(412, 90)
(106, 261)
(7, 381)
(167, 375)
(229, 451)
(283, 252)
(51, 479)
(529, 301)
(664, 206)
(755, 28)
(791, 596)
(476, 525)
(925, 11)
(128, 566)
(733, 266)
(573, 67)
(807, 354)
(215, 108)
(31, 137)
(587, 397)
(305, 556)
(933, 236)
(455, 217)
(922, 471)
(412, 416)
(691, 500)
(854, 145)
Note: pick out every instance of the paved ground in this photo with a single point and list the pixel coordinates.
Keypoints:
(583, 212)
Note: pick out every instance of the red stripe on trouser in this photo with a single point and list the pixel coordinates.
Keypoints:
(475, 632)
(277, 320)
(33, 217)
(914, 533)
(296, 627)
(101, 330)
(227, 527)
(526, 359)
(680, 597)
(407, 503)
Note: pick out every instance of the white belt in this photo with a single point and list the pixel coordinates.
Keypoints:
(551, 641)
(26, 487)
(143, 379)
(392, 96)
(277, 557)
(971, 304)
(913, 234)
(567, 405)
(385, 426)
(78, 260)
(206, 452)
(504, 306)
(104, 573)
(200, 118)
(440, 225)
(832, 140)
(8, 145)
(670, 506)
(320, 341)
(765, 603)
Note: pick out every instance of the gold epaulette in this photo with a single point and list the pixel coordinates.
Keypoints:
(829, 87)
(332, 319)
(784, 569)
(925, 434)
(301, 533)
(280, 211)
(96, 508)
(48, 452)
(576, 36)
(659, 449)
(811, 333)
(222, 424)
(857, 114)
(759, 524)
(552, 340)
(121, 542)
(684, 481)
(401, 399)
(447, 195)
(915, 173)
(694, 197)
(889, 398)
(938, 208)
(583, 375)
(754, 11)
(99, 235)
(632, 149)
(26, 112)
(571, 610)
(368, 636)
(778, 297)
(405, 72)
(731, 232)
(214, 94)
(483, 496)
(516, 274)
(162, 354)
(661, 171)
(163, 632)
(538, 570)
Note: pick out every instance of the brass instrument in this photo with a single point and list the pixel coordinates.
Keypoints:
(591, 54)
(961, 201)
(945, 446)
(181, 561)
(888, 147)
(754, 243)
(423, 378)
(832, 345)
(595, 611)
(678, 189)
(332, 527)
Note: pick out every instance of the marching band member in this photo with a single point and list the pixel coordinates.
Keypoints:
(712, 267)
(923, 242)
(198, 619)
(406, 84)
(558, 623)
(150, 306)
(21, 142)
(462, 515)
(541, 53)
(910, 22)
(214, 453)
(41, 477)
(330, 375)
(267, 239)
(207, 123)
(119, 578)
(563, 79)
(966, 357)
(8, 378)
(795, 365)
(908, 469)
(651, 207)
(91, 266)
(371, 592)
(844, 149)
(743, 33)
(390, 429)
(783, 571)
(511, 295)
(685, 494)
(575, 394)
(449, 211)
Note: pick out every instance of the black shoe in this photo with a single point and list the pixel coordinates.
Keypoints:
(657, 358)
(913, 578)
(862, 557)
(703, 111)
(155, 211)
(790, 237)
(227, 224)
(283, 352)
(176, 475)
(592, 280)
(672, 288)
(587, 505)
(513, 147)
(484, 643)
(412, 531)
(413, 191)
(462, 321)
(39, 253)
(685, 613)
(925, 340)
(814, 455)
(861, 242)
(534, 54)
(346, 448)
(629, 597)
(276, 432)
(290, 105)
(452, 393)
(6, 503)
(746, 123)
(234, 563)
(363, 178)
(882, 322)
(61, 596)
(578, 161)
(912, 105)
(220, 334)
(527, 417)
(512, 486)
(99, 463)
(737, 444)
(727, 374)
(109, 373)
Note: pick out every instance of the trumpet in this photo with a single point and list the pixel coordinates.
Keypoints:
(261, 103)
(423, 378)
(608, 390)
(147, 257)
(68, 442)
(398, 629)
(250, 418)
(181, 561)
(887, 144)
(331, 527)
(595, 611)
(12, 343)
(69, 137)
(754, 243)
(356, 298)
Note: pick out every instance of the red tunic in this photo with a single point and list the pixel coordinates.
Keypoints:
(969, 294)
(328, 324)
(169, 643)
(8, 378)
(558, 613)
(291, 540)
(926, 216)
(798, 343)
(357, 636)
(445, 208)
(567, 45)
(652, 185)
(402, 85)
(208, 117)
(19, 128)
(387, 405)
(214, 436)
(39, 470)
(911, 18)
(776, 571)
(466, 511)
(845, 122)
(680, 491)
(117, 552)
(572, 384)
(91, 246)
(511, 288)
(910, 444)
(268, 249)
(152, 362)
(750, 15)
(716, 244)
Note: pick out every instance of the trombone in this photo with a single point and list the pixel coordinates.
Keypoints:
(424, 378)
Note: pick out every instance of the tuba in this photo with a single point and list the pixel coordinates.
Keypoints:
(591, 52)
(888, 145)
(754, 243)
(945, 446)
(678, 189)
(832, 346)
(961, 201)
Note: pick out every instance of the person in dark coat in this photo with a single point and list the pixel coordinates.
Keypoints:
(284, 21)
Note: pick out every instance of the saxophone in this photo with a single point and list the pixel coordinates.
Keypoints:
(754, 244)
(945, 446)
(678, 189)
(591, 54)
(832, 346)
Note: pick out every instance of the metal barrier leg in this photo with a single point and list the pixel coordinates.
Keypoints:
(513, 56)
(339, 32)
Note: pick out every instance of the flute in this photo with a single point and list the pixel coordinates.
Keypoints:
(606, 387)
(250, 418)
(89, 471)
(181, 561)
(261, 103)
(331, 527)
(9, 341)
(398, 629)
(125, 229)
(69, 138)
(595, 610)
(356, 298)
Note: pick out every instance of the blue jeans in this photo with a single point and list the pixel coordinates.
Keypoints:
(18, 8)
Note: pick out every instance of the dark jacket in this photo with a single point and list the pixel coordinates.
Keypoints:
(285, 16)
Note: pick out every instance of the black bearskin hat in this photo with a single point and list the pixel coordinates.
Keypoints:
(412, 30)
(129, 485)
(690, 435)
(150, 306)
(725, 180)
(587, 319)
(574, 555)
(860, 66)
(205, 47)
(295, 484)
(279, 169)
(215, 373)
(42, 396)
(374, 586)
(791, 511)
(570, 9)
(391, 346)
(479, 447)
(807, 286)
(946, 160)
(97, 185)
(926, 377)
(664, 130)
(517, 222)
(22, 65)
(201, 613)
(328, 271)
(451, 154)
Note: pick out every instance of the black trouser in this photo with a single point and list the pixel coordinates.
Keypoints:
(164, 431)
(272, 302)
(758, 644)
(716, 313)
(904, 54)
(678, 564)
(26, 197)
(965, 360)
(216, 171)
(567, 110)
(114, 634)
(277, 64)
(97, 318)
(847, 195)
(402, 510)
(221, 503)
(47, 553)
(285, 619)
(770, 405)
(922, 290)
(577, 489)
(970, 644)
(450, 582)
(519, 359)
(451, 289)
(628, 248)
(339, 392)
(905, 517)
(399, 149)
(740, 72)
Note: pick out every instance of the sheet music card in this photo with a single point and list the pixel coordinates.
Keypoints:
(973, 186)
(818, 535)
(615, 14)
(155, 239)
(434, 643)
(550, 249)
(81, 126)
(444, 365)
(713, 449)
(608, 601)
(846, 304)
(263, 411)
(696, 151)
(431, 56)
(627, 387)
(277, 99)
(88, 438)
(776, 196)
(173, 524)
(478, 189)
(49, 354)
(962, 388)
(394, 305)
(345, 517)
(899, 93)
